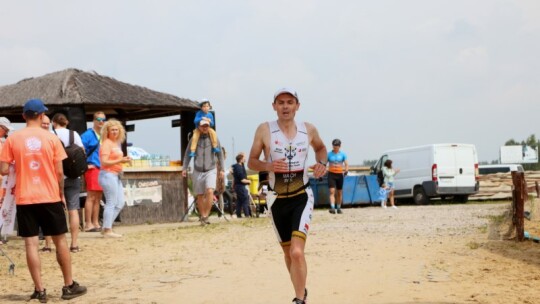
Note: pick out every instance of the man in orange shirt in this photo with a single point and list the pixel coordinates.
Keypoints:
(38, 156)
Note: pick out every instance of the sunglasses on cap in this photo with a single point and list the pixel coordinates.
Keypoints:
(101, 119)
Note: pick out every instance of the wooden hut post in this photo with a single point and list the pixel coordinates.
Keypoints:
(187, 126)
(519, 195)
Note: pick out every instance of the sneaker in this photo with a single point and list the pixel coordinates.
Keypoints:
(191, 154)
(395, 207)
(205, 220)
(39, 295)
(333, 211)
(111, 235)
(339, 211)
(384, 206)
(298, 301)
(73, 291)
(216, 150)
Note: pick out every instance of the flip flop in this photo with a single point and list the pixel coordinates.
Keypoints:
(74, 249)
(46, 249)
(93, 230)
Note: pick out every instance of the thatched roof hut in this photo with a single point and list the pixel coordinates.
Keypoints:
(80, 94)
(94, 92)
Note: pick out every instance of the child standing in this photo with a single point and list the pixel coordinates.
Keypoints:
(383, 195)
(205, 115)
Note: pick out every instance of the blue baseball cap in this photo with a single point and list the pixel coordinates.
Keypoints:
(35, 105)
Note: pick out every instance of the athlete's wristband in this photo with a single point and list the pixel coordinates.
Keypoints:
(324, 164)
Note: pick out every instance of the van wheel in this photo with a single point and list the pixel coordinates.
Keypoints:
(419, 196)
(461, 198)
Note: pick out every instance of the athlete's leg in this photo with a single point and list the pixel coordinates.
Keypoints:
(339, 198)
(296, 264)
(332, 197)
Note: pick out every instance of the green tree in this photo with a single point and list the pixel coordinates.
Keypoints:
(369, 162)
(531, 141)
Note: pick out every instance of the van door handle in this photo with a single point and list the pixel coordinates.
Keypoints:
(460, 170)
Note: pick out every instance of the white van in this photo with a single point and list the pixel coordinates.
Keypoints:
(437, 170)
(499, 168)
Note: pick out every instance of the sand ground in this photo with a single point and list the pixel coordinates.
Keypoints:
(416, 254)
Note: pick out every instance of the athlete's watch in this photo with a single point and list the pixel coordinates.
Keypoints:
(324, 164)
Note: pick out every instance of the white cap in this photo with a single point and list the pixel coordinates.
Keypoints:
(288, 91)
(6, 123)
(204, 122)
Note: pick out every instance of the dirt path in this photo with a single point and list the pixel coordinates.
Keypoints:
(427, 254)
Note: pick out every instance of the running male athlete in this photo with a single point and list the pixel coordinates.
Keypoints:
(337, 169)
(285, 144)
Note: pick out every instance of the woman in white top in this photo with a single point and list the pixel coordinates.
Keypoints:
(388, 174)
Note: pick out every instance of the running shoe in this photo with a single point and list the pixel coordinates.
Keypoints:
(39, 295)
(339, 211)
(333, 211)
(73, 291)
(298, 301)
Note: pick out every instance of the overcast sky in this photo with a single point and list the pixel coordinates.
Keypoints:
(376, 74)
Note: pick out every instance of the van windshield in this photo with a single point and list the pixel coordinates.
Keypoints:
(499, 169)
(494, 170)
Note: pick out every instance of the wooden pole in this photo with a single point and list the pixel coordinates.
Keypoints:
(537, 189)
(519, 195)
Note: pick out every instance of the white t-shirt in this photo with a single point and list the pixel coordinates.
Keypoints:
(63, 134)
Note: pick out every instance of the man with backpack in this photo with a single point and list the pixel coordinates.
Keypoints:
(72, 183)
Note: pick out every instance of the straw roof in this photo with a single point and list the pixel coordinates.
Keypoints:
(93, 92)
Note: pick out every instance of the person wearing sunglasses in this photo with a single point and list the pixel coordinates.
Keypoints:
(91, 139)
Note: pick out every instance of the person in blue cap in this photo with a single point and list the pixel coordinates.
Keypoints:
(39, 194)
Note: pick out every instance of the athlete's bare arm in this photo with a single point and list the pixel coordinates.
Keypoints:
(319, 169)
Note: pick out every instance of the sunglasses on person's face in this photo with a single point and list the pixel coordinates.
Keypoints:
(101, 119)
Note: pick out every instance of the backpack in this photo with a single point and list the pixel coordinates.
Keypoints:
(380, 177)
(75, 164)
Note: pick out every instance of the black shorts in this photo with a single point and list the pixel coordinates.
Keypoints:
(335, 180)
(49, 216)
(292, 215)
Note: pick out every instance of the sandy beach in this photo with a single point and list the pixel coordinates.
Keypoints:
(416, 254)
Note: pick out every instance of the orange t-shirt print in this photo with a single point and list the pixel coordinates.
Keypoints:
(35, 152)
(111, 148)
